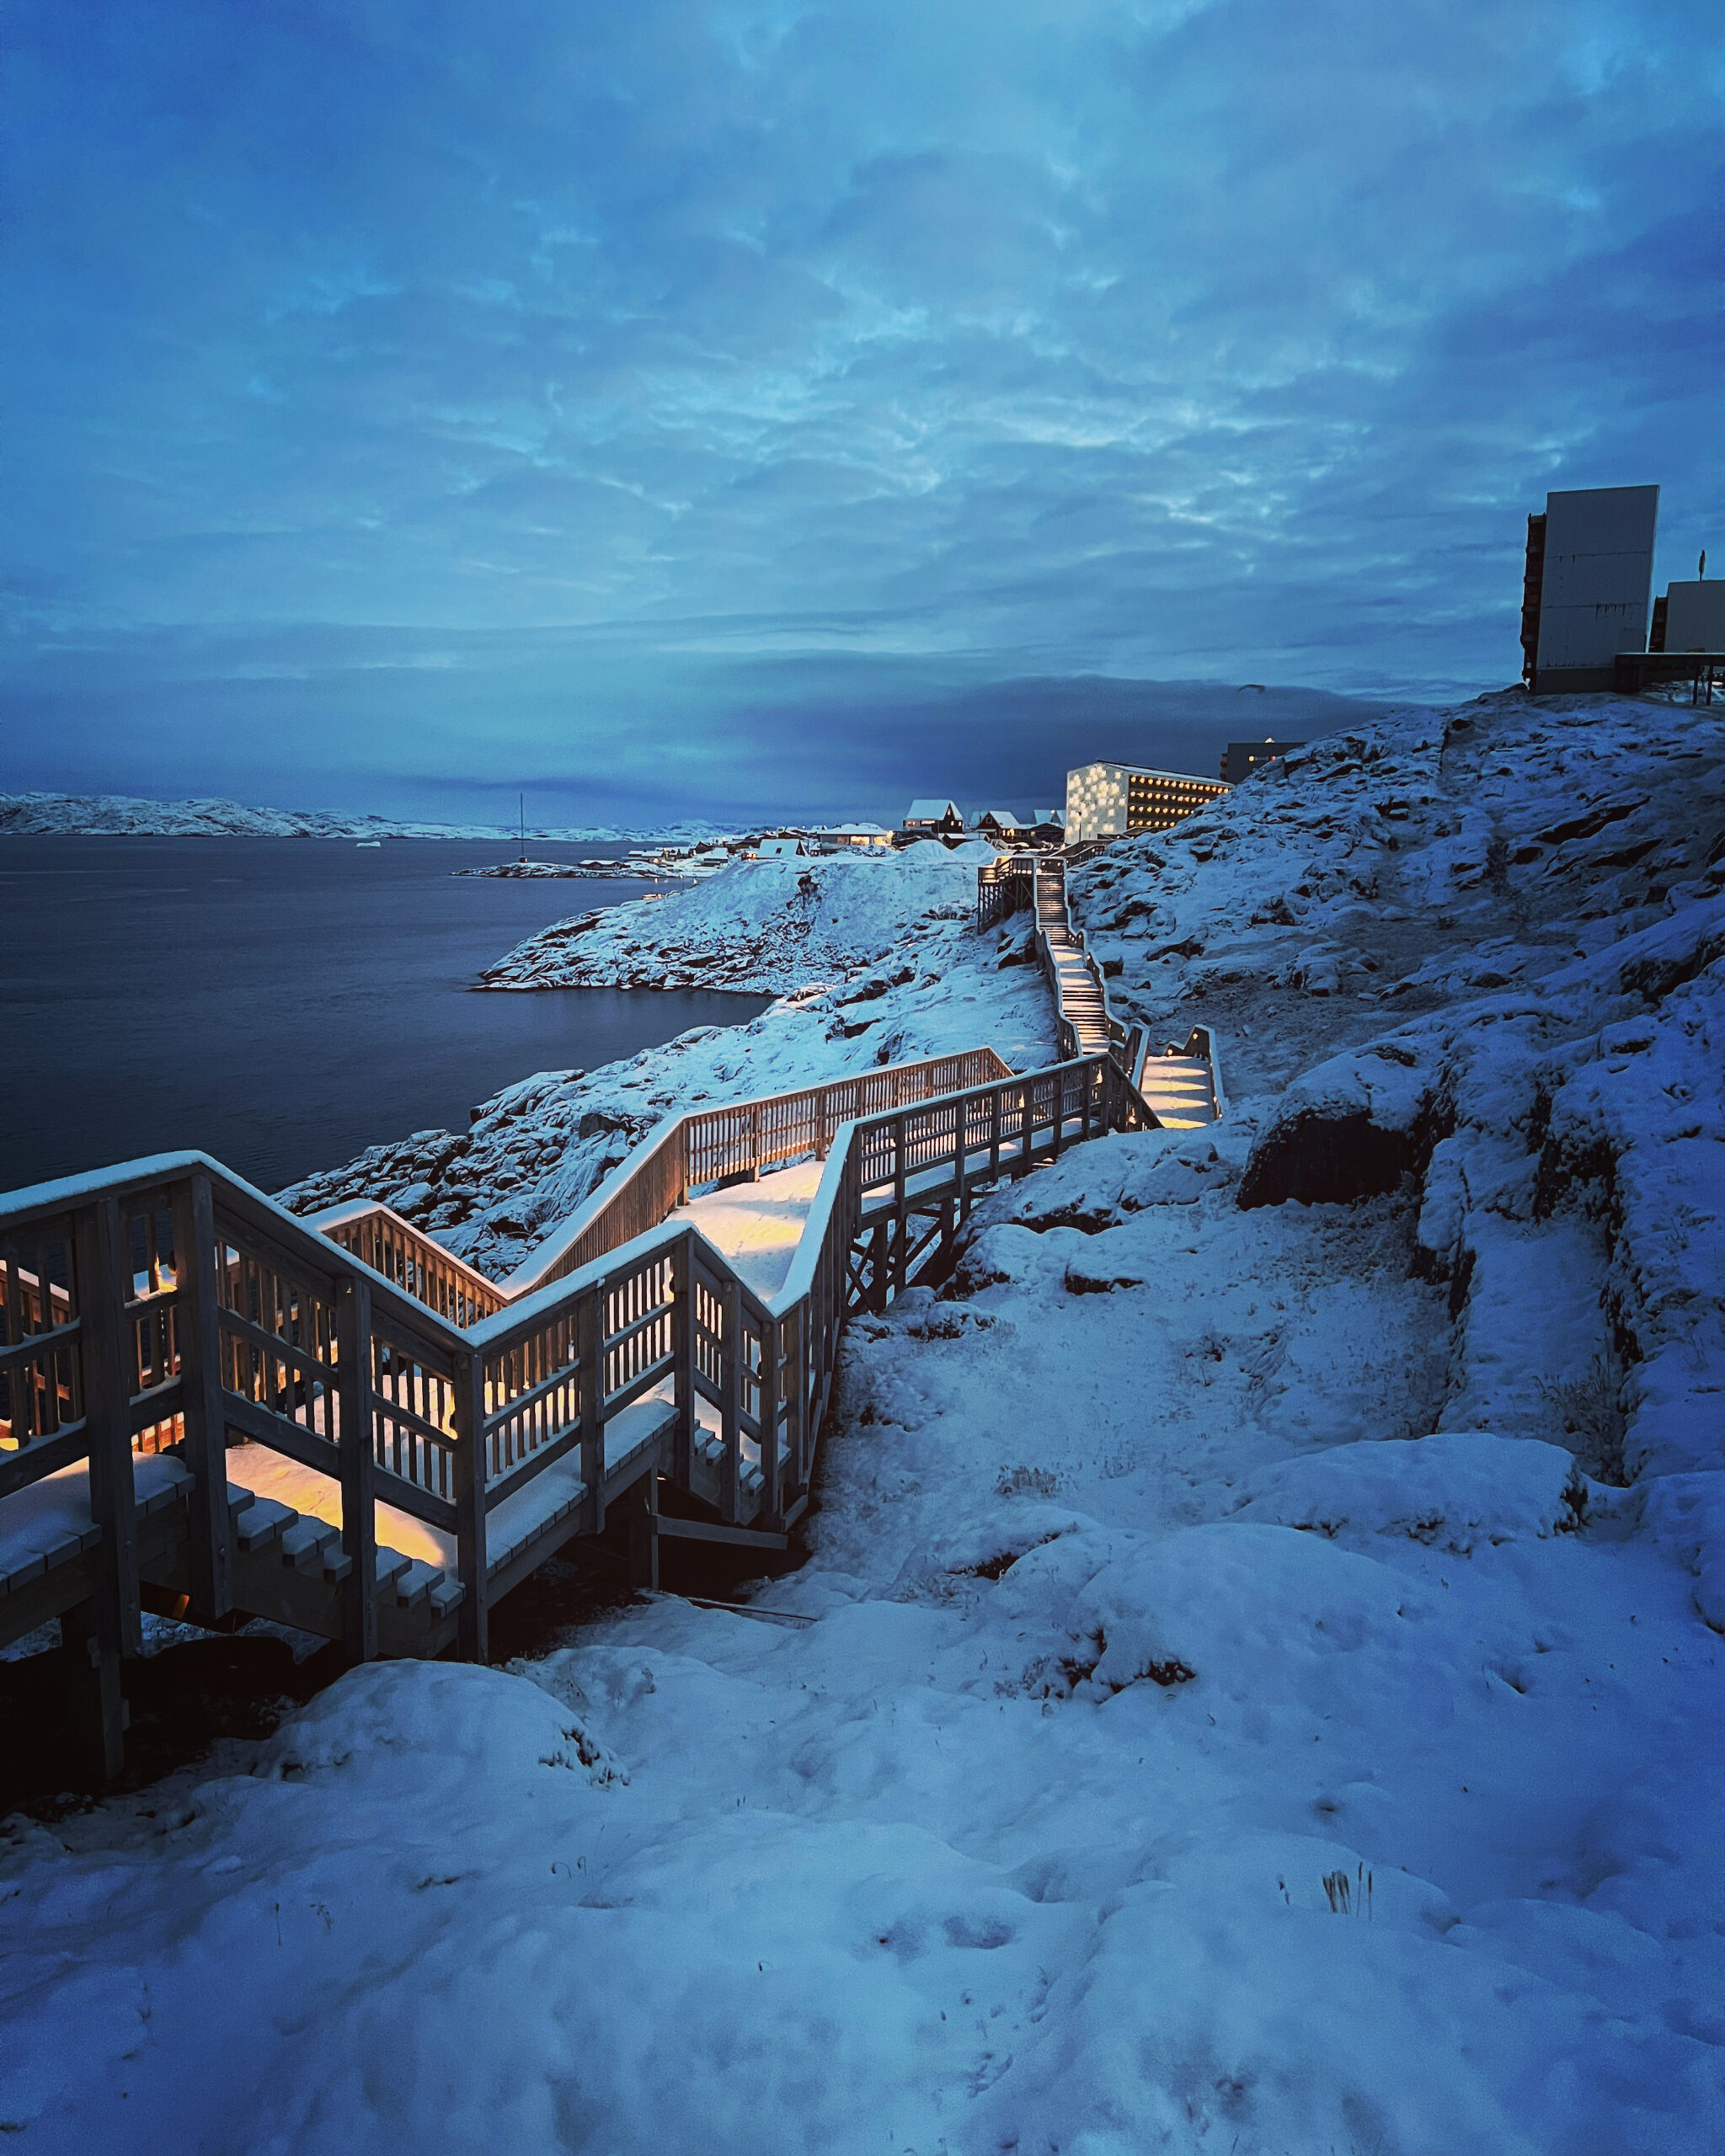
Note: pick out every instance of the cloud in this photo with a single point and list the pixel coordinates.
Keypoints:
(1007, 341)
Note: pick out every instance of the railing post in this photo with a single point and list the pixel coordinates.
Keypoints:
(589, 1313)
(472, 1621)
(993, 1136)
(359, 1468)
(730, 1386)
(683, 1346)
(772, 1337)
(644, 1536)
(210, 1535)
(901, 1211)
(1026, 1124)
(102, 1273)
(796, 1399)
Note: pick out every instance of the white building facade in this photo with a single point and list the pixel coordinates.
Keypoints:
(1110, 800)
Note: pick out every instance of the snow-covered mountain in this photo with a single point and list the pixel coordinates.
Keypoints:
(122, 816)
(1254, 1681)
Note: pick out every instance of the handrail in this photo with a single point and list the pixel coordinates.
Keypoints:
(167, 1301)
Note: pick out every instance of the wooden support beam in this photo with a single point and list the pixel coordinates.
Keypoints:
(701, 1530)
(591, 1364)
(358, 1468)
(103, 1268)
(209, 1526)
(644, 1535)
(730, 1389)
(472, 1618)
(683, 1346)
(768, 1419)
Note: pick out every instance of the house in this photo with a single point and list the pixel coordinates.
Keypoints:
(1048, 827)
(781, 848)
(932, 819)
(850, 838)
(1241, 759)
(1001, 824)
(1108, 800)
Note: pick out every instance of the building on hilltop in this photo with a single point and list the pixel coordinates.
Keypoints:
(781, 849)
(1110, 800)
(1585, 589)
(1689, 618)
(1003, 825)
(849, 838)
(1048, 826)
(1241, 759)
(932, 819)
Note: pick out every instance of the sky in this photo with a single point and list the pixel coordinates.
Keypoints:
(684, 408)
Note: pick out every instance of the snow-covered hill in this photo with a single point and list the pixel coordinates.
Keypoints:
(103, 816)
(1255, 1683)
(770, 925)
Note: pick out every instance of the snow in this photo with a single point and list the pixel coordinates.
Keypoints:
(773, 924)
(759, 1224)
(47, 1523)
(114, 814)
(1260, 1690)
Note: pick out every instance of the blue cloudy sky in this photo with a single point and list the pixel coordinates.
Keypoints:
(772, 406)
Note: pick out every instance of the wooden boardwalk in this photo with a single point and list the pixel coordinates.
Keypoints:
(210, 1406)
(1181, 1085)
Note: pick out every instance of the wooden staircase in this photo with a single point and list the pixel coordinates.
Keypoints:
(210, 1407)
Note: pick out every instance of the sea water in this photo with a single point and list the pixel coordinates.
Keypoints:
(283, 1003)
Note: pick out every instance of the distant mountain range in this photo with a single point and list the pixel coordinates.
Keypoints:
(102, 815)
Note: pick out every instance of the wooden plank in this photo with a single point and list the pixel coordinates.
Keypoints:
(256, 1235)
(42, 1457)
(36, 1344)
(701, 1530)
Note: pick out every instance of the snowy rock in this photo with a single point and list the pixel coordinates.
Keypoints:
(1452, 1491)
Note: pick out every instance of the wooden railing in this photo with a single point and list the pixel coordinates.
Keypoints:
(1055, 932)
(1004, 886)
(166, 1302)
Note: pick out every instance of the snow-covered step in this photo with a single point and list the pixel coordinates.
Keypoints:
(305, 1544)
(262, 1522)
(416, 1582)
(1178, 1090)
(390, 1565)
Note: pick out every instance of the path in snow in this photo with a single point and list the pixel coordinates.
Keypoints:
(759, 1224)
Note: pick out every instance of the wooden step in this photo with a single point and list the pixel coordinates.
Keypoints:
(416, 1582)
(262, 1522)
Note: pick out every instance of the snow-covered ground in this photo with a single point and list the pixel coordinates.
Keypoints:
(1255, 1686)
(537, 1149)
(771, 925)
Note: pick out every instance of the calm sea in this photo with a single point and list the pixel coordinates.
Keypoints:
(282, 1003)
